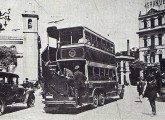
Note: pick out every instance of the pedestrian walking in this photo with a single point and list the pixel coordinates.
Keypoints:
(151, 91)
(140, 87)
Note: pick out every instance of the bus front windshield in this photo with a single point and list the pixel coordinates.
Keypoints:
(71, 37)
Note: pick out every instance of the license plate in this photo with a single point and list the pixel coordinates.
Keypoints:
(49, 97)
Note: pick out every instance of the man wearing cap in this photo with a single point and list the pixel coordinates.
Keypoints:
(79, 79)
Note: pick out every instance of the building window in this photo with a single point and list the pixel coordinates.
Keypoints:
(145, 24)
(152, 57)
(152, 41)
(124, 66)
(160, 39)
(152, 22)
(160, 57)
(160, 20)
(145, 41)
(145, 59)
(29, 23)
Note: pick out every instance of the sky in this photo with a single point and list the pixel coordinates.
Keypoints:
(117, 20)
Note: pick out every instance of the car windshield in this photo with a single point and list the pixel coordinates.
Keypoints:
(2, 80)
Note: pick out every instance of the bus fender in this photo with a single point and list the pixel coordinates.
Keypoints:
(95, 90)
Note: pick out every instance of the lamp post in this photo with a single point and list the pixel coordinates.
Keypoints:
(5, 16)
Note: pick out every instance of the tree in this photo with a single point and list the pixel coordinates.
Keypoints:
(135, 68)
(8, 57)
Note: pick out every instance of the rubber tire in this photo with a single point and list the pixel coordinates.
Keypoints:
(31, 100)
(95, 101)
(2, 106)
(121, 95)
(101, 99)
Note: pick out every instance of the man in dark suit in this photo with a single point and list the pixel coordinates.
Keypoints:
(151, 91)
(79, 80)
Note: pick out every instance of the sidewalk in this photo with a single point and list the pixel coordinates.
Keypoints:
(132, 109)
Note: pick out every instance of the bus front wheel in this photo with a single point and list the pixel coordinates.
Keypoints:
(101, 99)
(95, 100)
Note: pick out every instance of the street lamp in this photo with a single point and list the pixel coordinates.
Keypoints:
(6, 17)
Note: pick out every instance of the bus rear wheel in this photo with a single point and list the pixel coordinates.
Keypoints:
(101, 99)
(95, 101)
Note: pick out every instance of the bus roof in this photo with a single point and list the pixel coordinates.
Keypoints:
(6, 74)
(83, 27)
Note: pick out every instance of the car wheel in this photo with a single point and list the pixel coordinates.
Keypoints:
(2, 106)
(121, 95)
(31, 100)
(95, 101)
(101, 99)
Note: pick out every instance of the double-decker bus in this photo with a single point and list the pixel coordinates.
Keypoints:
(95, 56)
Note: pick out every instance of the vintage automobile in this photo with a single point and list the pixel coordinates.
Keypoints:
(11, 92)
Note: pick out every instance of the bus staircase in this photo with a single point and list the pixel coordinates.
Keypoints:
(53, 82)
(65, 90)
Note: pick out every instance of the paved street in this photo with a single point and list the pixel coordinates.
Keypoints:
(128, 108)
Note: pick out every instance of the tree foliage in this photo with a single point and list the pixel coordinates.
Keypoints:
(138, 65)
(7, 56)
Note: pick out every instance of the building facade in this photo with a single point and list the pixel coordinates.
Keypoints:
(123, 61)
(28, 49)
(152, 37)
(123, 68)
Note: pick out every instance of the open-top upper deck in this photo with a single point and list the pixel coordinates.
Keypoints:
(81, 35)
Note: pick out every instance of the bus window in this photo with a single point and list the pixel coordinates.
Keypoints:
(113, 75)
(110, 74)
(96, 73)
(65, 38)
(93, 42)
(90, 73)
(2, 80)
(15, 81)
(88, 37)
(102, 73)
(108, 47)
(106, 74)
(103, 45)
(112, 48)
(76, 36)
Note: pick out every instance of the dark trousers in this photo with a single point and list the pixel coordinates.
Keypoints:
(152, 103)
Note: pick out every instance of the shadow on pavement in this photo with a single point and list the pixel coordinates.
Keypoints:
(11, 109)
(81, 109)
(160, 100)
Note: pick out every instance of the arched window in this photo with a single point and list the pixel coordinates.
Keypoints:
(29, 23)
(160, 20)
(152, 22)
(152, 57)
